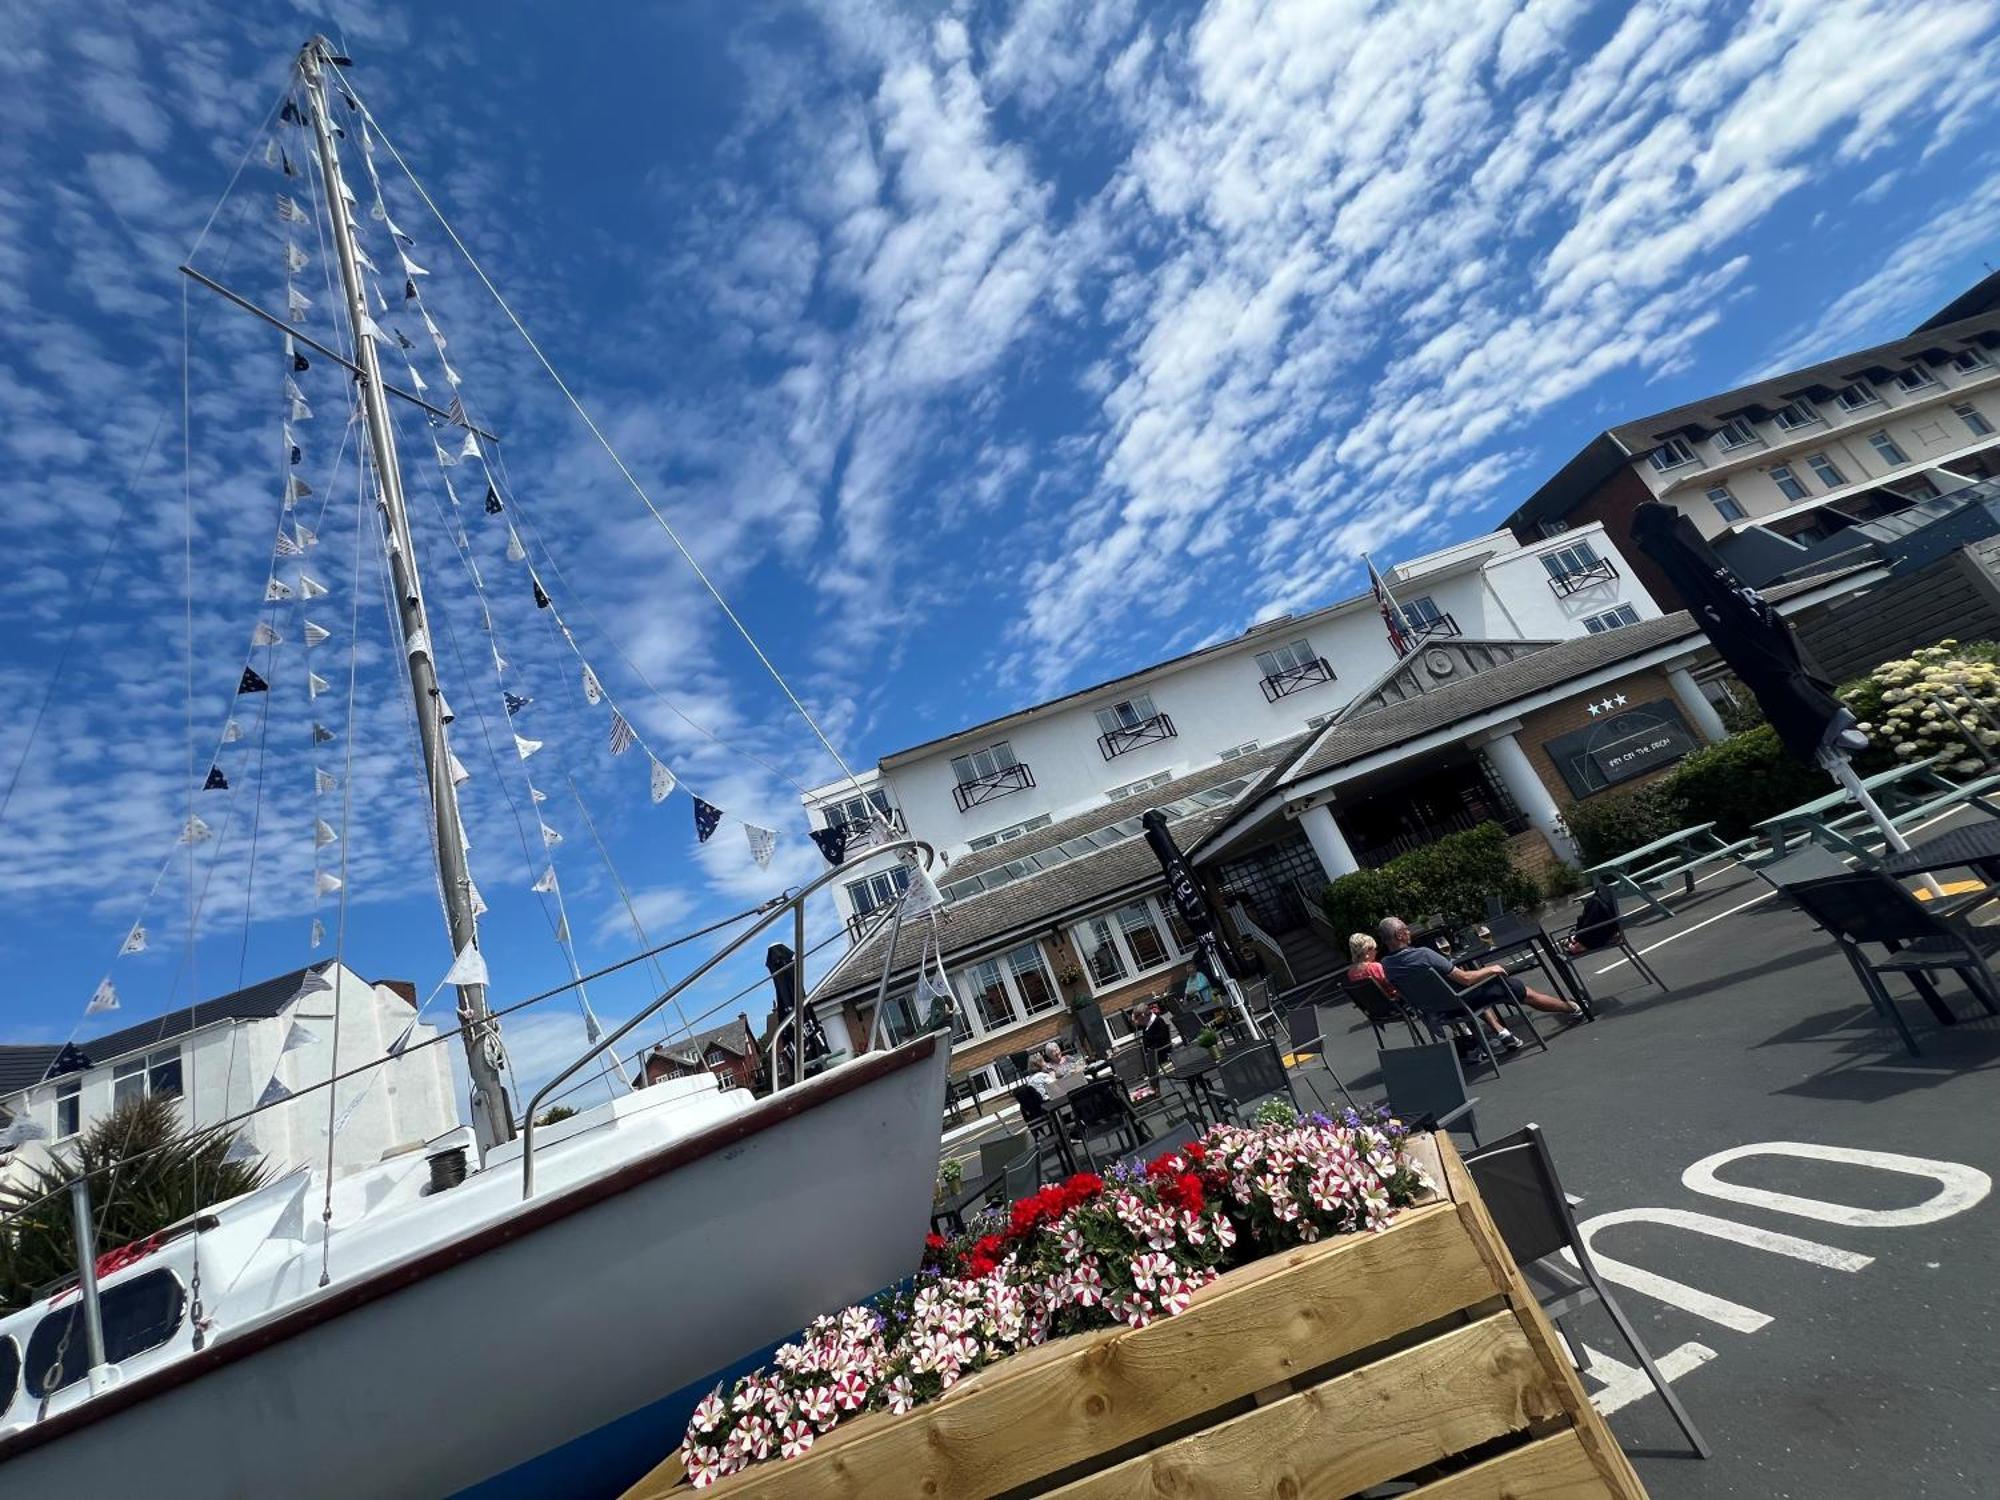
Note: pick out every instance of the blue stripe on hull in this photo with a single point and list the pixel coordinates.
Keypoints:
(617, 1455)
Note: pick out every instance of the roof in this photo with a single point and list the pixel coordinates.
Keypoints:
(1981, 296)
(1394, 723)
(24, 1066)
(1039, 898)
(732, 1036)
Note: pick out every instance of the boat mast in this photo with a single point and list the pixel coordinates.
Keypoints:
(492, 1117)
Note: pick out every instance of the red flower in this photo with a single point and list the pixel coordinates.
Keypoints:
(934, 1242)
(1082, 1188)
(1195, 1151)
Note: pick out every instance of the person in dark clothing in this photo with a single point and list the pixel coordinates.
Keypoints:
(1597, 924)
(1400, 955)
(1157, 1034)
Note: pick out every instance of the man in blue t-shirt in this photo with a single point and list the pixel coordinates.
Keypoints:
(1400, 956)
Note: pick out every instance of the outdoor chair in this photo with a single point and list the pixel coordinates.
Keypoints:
(1618, 940)
(1099, 1108)
(1023, 1178)
(1865, 906)
(1517, 1180)
(1041, 1124)
(1303, 1030)
(1439, 1002)
(1379, 1007)
(1252, 1074)
(1133, 1069)
(996, 1157)
(1426, 1088)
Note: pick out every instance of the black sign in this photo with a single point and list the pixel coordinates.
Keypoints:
(1624, 742)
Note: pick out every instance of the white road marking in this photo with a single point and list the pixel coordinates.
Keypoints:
(1959, 1187)
(1624, 1384)
(1731, 1315)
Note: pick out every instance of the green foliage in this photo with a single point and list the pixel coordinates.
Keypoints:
(1561, 881)
(134, 1194)
(1208, 1038)
(1450, 878)
(1275, 1112)
(1898, 704)
(554, 1113)
(1608, 824)
(1742, 781)
(1741, 712)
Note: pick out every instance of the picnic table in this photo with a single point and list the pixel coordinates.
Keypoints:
(1639, 872)
(1908, 794)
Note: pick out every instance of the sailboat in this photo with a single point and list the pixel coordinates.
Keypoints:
(525, 1311)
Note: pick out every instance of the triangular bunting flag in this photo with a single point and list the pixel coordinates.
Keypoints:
(326, 883)
(762, 842)
(289, 211)
(706, 816)
(231, 732)
(402, 1042)
(296, 1037)
(194, 831)
(296, 488)
(663, 781)
(537, 794)
(314, 634)
(450, 374)
(454, 412)
(417, 381)
(418, 643)
(468, 968)
(275, 591)
(445, 457)
(517, 553)
(397, 232)
(240, 1150)
(310, 587)
(550, 838)
(265, 635)
(290, 113)
(252, 683)
(622, 735)
(315, 684)
(541, 595)
(216, 782)
(296, 259)
(323, 833)
(459, 775)
(361, 259)
(562, 931)
(545, 884)
(286, 547)
(471, 448)
(312, 982)
(318, 932)
(499, 661)
(493, 505)
(445, 715)
(274, 1093)
(515, 703)
(103, 998)
(135, 942)
(474, 899)
(301, 412)
(296, 303)
(271, 152)
(525, 748)
(305, 536)
(593, 693)
(409, 291)
(832, 843)
(324, 782)
(410, 267)
(322, 735)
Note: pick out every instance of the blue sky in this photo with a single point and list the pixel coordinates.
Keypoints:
(977, 351)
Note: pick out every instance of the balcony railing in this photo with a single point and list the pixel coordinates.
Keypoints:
(1565, 584)
(863, 833)
(1423, 630)
(1132, 736)
(1306, 674)
(982, 789)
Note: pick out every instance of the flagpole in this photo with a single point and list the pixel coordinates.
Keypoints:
(492, 1116)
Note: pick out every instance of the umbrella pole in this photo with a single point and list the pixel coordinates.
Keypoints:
(1842, 770)
(1233, 989)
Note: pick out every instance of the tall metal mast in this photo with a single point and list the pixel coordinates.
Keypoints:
(492, 1117)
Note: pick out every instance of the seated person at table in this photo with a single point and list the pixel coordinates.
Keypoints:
(1400, 955)
(1597, 924)
(1055, 1061)
(1361, 950)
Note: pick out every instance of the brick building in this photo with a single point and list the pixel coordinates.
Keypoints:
(728, 1051)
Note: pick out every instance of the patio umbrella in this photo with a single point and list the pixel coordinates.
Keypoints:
(1186, 894)
(1760, 649)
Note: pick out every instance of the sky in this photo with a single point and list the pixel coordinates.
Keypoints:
(974, 352)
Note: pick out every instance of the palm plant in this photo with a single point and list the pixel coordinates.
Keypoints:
(145, 1174)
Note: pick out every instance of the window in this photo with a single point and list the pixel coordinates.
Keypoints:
(988, 840)
(1177, 925)
(1914, 378)
(1854, 397)
(878, 890)
(1794, 415)
(1319, 721)
(69, 1107)
(1422, 613)
(1966, 361)
(1130, 714)
(1143, 784)
(1575, 558)
(980, 765)
(1735, 433)
(139, 1314)
(1611, 619)
(1293, 656)
(128, 1082)
(1725, 503)
(989, 995)
(1788, 483)
(1975, 422)
(136, 1077)
(1885, 445)
(1237, 752)
(1100, 952)
(1031, 979)
(854, 810)
(1826, 471)
(1674, 453)
(1142, 937)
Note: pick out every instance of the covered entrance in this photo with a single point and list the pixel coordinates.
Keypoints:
(1408, 807)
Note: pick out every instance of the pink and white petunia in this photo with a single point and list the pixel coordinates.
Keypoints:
(798, 1438)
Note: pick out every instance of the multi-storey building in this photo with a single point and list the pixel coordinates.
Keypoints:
(1770, 470)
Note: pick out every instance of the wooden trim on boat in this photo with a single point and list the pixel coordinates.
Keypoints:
(540, 1212)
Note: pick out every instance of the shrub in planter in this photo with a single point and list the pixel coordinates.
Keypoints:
(1450, 878)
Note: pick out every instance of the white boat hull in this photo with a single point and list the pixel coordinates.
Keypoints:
(554, 1352)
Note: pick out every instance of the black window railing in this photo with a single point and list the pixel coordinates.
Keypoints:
(1292, 679)
(1582, 577)
(1132, 736)
(863, 833)
(1001, 783)
(1439, 624)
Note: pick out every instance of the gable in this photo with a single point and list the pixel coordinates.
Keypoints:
(1439, 662)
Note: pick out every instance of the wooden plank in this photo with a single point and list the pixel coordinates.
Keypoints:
(1556, 1468)
(1615, 1471)
(660, 1481)
(1441, 1397)
(1039, 1413)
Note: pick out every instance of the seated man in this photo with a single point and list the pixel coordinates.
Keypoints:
(1400, 955)
(1597, 924)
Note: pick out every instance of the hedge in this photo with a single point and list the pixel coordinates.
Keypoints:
(1450, 878)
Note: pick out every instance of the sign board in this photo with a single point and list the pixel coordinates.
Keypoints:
(1623, 743)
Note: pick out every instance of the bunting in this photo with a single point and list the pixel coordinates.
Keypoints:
(318, 932)
(494, 508)
(275, 1092)
(541, 595)
(459, 775)
(832, 843)
(135, 942)
(325, 883)
(622, 737)
(324, 782)
(265, 634)
(762, 842)
(323, 833)
(525, 747)
(231, 732)
(315, 685)
(515, 702)
(314, 634)
(550, 838)
(310, 587)
(289, 211)
(103, 998)
(276, 592)
(592, 693)
(194, 831)
(216, 781)
(468, 968)
(322, 735)
(706, 816)
(252, 683)
(545, 884)
(517, 553)
(663, 780)
(297, 1036)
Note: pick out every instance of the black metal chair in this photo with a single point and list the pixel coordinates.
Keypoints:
(1379, 1008)
(1022, 1179)
(1136, 1072)
(1807, 862)
(1517, 1180)
(1426, 1087)
(1041, 1124)
(1610, 933)
(1098, 1108)
(996, 1156)
(1440, 1003)
(1302, 1029)
(1866, 906)
(1252, 1074)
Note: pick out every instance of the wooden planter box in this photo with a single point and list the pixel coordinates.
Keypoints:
(1311, 1375)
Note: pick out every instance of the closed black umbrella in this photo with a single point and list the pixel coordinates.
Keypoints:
(1192, 904)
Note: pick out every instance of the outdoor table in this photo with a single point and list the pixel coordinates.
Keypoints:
(1197, 1079)
(1975, 847)
(1513, 933)
(1818, 822)
(1060, 1113)
(1676, 854)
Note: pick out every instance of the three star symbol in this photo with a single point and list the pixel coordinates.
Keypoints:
(1616, 700)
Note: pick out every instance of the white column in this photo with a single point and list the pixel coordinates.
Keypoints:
(1328, 842)
(1517, 774)
(1694, 703)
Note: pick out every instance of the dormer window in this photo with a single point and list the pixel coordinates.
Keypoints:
(1290, 667)
(1857, 396)
(1970, 361)
(1794, 415)
(1915, 378)
(1735, 433)
(1130, 724)
(1674, 453)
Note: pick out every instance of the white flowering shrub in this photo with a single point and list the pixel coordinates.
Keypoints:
(1908, 705)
